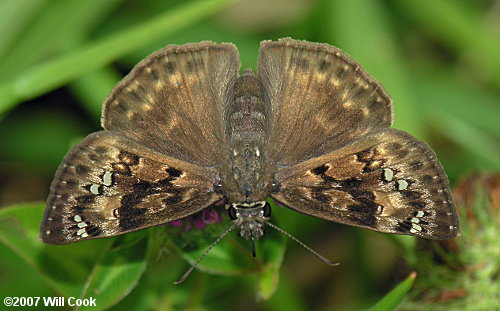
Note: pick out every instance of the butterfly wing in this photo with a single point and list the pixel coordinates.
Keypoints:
(108, 185)
(173, 101)
(320, 99)
(388, 182)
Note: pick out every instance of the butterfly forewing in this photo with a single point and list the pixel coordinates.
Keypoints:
(321, 99)
(109, 185)
(388, 181)
(173, 101)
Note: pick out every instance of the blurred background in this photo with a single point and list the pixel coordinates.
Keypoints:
(439, 59)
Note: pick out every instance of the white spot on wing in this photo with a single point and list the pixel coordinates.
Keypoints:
(388, 174)
(416, 227)
(402, 184)
(94, 188)
(106, 179)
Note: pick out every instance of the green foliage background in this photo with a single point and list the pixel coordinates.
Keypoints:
(439, 59)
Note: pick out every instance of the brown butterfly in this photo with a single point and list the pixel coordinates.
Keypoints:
(311, 129)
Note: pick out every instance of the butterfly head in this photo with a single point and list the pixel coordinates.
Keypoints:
(250, 217)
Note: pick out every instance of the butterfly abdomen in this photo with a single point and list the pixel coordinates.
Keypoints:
(246, 130)
(246, 112)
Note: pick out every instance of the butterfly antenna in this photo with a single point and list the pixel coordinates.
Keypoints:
(328, 262)
(188, 272)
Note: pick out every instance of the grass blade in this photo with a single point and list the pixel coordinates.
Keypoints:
(55, 73)
(395, 296)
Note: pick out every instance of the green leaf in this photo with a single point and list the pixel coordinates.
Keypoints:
(288, 295)
(394, 298)
(14, 15)
(232, 256)
(64, 268)
(442, 88)
(116, 273)
(361, 27)
(461, 28)
(102, 269)
(273, 249)
(55, 73)
(93, 88)
(23, 136)
(50, 33)
(484, 146)
(229, 257)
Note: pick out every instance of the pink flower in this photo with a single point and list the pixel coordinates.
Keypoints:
(200, 220)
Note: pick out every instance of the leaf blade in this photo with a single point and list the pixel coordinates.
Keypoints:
(395, 296)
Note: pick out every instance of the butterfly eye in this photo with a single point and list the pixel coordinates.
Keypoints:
(232, 213)
(267, 210)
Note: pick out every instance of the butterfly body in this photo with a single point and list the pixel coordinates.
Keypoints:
(311, 129)
(247, 127)
(250, 218)
(248, 123)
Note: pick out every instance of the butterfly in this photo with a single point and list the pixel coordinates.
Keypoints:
(311, 129)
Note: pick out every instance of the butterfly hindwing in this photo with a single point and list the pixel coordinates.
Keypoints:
(388, 182)
(320, 98)
(108, 185)
(173, 101)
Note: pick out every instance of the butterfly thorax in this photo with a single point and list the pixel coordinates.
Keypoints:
(246, 130)
(250, 218)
